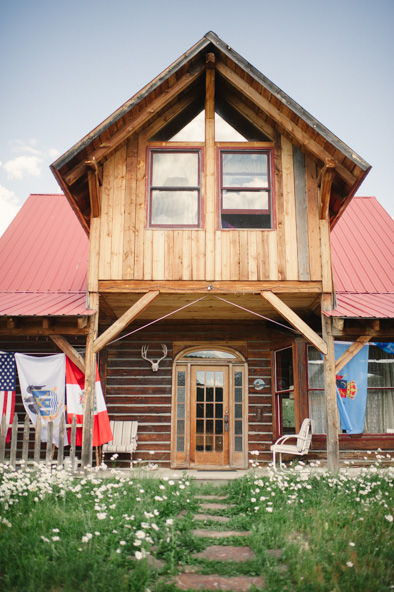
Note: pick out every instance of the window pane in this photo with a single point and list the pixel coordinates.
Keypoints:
(238, 378)
(284, 369)
(380, 368)
(174, 207)
(238, 444)
(245, 200)
(180, 427)
(181, 378)
(180, 444)
(315, 369)
(317, 411)
(211, 353)
(245, 169)
(250, 221)
(174, 169)
(181, 394)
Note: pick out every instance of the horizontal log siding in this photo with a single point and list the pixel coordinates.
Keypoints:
(128, 250)
(259, 366)
(134, 392)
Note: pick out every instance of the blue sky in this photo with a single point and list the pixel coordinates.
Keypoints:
(66, 66)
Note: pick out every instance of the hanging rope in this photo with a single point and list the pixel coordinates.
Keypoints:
(258, 315)
(155, 321)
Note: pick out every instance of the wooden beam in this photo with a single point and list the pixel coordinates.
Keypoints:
(136, 122)
(210, 176)
(325, 180)
(90, 375)
(330, 389)
(82, 322)
(94, 194)
(295, 321)
(283, 120)
(192, 287)
(351, 351)
(68, 349)
(133, 312)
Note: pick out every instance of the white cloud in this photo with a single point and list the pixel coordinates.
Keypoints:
(53, 152)
(9, 207)
(22, 166)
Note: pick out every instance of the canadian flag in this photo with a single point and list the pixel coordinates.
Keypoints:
(75, 385)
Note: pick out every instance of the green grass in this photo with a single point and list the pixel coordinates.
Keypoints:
(324, 533)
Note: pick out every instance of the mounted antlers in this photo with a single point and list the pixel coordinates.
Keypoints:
(155, 365)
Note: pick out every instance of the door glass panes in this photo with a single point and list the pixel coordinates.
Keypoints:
(180, 411)
(284, 390)
(238, 410)
(209, 411)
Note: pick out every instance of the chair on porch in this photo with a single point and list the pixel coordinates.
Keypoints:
(124, 437)
(301, 446)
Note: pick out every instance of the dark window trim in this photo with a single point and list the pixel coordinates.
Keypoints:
(199, 150)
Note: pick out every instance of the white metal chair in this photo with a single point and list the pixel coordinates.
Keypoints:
(300, 448)
(125, 437)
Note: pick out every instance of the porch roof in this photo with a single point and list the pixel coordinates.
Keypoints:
(363, 261)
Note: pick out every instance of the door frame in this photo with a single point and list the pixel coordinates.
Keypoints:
(181, 413)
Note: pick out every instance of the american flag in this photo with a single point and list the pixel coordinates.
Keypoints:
(7, 388)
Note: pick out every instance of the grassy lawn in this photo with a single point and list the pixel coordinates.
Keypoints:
(317, 533)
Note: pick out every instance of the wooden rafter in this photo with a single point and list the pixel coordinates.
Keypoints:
(351, 351)
(138, 121)
(118, 326)
(68, 349)
(284, 121)
(295, 321)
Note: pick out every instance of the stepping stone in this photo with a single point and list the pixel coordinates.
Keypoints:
(219, 534)
(211, 497)
(212, 518)
(226, 553)
(215, 506)
(215, 582)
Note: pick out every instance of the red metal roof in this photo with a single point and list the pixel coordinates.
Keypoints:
(363, 260)
(44, 260)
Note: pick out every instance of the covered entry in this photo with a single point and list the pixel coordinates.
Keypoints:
(209, 426)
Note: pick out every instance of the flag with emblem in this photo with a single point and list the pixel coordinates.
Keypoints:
(42, 381)
(7, 389)
(75, 383)
(352, 384)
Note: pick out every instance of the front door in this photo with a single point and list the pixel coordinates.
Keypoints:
(209, 416)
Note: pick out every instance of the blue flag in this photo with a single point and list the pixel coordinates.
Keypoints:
(352, 383)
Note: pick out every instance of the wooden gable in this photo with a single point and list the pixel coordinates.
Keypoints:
(240, 88)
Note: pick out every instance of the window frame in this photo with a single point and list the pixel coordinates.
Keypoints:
(186, 149)
(280, 393)
(239, 148)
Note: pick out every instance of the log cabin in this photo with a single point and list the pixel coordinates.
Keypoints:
(208, 200)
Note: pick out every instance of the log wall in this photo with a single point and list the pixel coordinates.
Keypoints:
(131, 251)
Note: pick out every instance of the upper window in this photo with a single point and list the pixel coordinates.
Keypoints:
(245, 189)
(175, 188)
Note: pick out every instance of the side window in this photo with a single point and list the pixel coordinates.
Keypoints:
(175, 188)
(245, 189)
(284, 391)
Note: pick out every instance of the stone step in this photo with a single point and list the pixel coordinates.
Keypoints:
(216, 582)
(226, 553)
(216, 506)
(211, 518)
(211, 497)
(218, 534)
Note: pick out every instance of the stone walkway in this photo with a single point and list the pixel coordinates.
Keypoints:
(190, 579)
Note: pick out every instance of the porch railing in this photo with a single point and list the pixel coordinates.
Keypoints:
(12, 454)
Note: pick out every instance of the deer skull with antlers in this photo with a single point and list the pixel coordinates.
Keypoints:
(155, 365)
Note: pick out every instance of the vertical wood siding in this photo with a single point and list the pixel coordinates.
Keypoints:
(129, 250)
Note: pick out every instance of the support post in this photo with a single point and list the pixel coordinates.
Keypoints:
(90, 375)
(330, 389)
